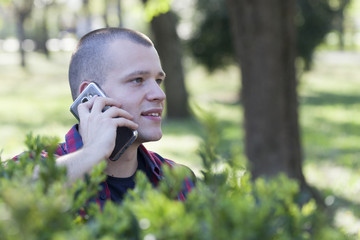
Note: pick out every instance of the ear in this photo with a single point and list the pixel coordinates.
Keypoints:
(83, 85)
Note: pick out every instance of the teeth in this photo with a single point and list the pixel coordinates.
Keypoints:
(154, 114)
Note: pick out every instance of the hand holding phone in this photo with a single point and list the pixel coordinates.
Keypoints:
(124, 136)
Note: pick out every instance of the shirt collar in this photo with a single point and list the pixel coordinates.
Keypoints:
(152, 161)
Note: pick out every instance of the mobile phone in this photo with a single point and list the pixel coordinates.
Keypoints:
(124, 136)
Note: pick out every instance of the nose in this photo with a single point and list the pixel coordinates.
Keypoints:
(155, 92)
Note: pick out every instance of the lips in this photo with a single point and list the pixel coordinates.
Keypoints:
(153, 113)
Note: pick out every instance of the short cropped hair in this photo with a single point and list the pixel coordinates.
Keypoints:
(89, 61)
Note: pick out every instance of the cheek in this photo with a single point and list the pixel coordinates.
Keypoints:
(130, 100)
(131, 108)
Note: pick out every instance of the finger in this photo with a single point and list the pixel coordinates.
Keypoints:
(123, 122)
(101, 102)
(115, 112)
(84, 108)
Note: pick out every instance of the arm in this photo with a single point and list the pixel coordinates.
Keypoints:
(98, 132)
(80, 162)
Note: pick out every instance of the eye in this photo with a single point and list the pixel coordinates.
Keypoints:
(159, 81)
(138, 80)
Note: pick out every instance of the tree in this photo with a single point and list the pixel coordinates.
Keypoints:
(170, 51)
(43, 34)
(339, 21)
(213, 50)
(22, 9)
(265, 41)
(106, 14)
(87, 15)
(168, 44)
(314, 20)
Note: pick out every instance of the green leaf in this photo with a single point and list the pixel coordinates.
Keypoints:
(154, 8)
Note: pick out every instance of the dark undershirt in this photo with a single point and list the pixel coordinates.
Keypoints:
(119, 186)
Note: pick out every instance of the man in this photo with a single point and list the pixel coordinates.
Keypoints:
(126, 66)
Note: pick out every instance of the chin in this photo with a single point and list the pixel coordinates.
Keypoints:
(148, 137)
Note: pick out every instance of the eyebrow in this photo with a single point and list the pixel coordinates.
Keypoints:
(161, 73)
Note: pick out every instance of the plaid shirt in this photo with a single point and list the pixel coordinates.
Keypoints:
(73, 142)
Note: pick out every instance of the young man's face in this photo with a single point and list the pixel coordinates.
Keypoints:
(134, 81)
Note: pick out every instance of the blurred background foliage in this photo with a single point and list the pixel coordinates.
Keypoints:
(225, 204)
(37, 37)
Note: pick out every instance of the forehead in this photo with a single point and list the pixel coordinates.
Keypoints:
(127, 47)
(126, 52)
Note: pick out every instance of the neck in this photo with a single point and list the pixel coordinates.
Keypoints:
(126, 165)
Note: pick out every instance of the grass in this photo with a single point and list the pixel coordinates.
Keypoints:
(34, 99)
(330, 120)
(38, 99)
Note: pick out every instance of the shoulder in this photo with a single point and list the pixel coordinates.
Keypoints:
(159, 160)
(44, 154)
(191, 177)
(163, 160)
(72, 143)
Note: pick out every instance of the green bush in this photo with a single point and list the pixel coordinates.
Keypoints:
(36, 202)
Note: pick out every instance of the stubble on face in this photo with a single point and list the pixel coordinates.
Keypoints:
(128, 61)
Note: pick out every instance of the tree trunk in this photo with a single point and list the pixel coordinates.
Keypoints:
(87, 15)
(105, 13)
(265, 43)
(341, 22)
(22, 11)
(341, 31)
(119, 12)
(21, 37)
(170, 51)
(44, 32)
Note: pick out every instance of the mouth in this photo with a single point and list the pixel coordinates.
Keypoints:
(153, 114)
